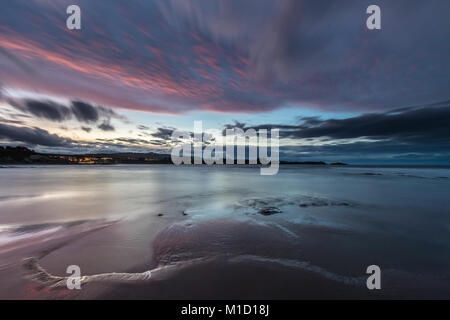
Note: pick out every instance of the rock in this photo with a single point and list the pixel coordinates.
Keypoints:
(267, 211)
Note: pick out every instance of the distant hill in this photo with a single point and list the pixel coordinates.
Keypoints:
(22, 155)
(15, 154)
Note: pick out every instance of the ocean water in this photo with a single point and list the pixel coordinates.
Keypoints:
(224, 231)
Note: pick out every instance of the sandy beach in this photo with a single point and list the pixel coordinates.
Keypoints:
(211, 240)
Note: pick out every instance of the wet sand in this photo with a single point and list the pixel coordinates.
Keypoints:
(218, 259)
(95, 249)
(226, 242)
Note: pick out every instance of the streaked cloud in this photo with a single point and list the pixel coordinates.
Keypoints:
(230, 56)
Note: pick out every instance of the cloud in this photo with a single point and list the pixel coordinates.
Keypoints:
(423, 124)
(421, 130)
(163, 133)
(106, 126)
(33, 136)
(228, 56)
(165, 136)
(16, 60)
(86, 129)
(132, 140)
(235, 125)
(142, 127)
(46, 109)
(109, 113)
(43, 141)
(43, 109)
(409, 124)
(4, 120)
(84, 112)
(158, 143)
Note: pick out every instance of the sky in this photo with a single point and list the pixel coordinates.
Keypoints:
(137, 70)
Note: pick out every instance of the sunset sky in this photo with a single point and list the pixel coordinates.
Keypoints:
(139, 69)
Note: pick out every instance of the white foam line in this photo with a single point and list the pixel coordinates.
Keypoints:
(40, 275)
(356, 281)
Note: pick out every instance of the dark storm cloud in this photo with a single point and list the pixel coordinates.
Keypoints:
(236, 124)
(44, 141)
(84, 112)
(232, 55)
(106, 126)
(422, 129)
(46, 109)
(163, 133)
(429, 124)
(424, 124)
(32, 136)
(43, 109)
